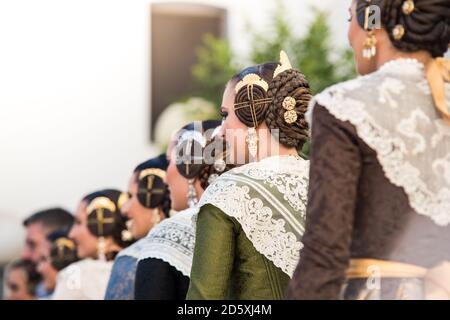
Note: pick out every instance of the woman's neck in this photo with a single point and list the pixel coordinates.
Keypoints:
(270, 147)
(390, 54)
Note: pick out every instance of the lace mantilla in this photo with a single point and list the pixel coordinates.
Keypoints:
(173, 241)
(393, 112)
(268, 198)
(133, 251)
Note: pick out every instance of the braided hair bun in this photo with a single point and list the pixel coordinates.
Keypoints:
(268, 101)
(190, 147)
(426, 25)
(257, 93)
(63, 251)
(107, 221)
(153, 191)
(221, 163)
(290, 83)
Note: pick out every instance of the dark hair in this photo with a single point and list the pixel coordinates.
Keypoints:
(189, 168)
(203, 170)
(426, 28)
(33, 277)
(210, 170)
(157, 200)
(63, 250)
(51, 219)
(113, 229)
(288, 83)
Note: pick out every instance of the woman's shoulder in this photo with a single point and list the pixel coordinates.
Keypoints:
(87, 266)
(270, 169)
(280, 177)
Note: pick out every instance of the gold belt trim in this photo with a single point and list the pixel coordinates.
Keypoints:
(365, 268)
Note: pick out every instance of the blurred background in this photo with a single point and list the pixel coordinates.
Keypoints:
(90, 88)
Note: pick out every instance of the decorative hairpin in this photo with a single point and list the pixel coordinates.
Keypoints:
(123, 198)
(285, 64)
(252, 79)
(290, 116)
(398, 32)
(101, 203)
(62, 243)
(408, 7)
(194, 135)
(153, 171)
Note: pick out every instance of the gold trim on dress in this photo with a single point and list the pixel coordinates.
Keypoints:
(364, 268)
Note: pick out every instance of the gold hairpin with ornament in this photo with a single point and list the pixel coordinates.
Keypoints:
(101, 203)
(289, 103)
(399, 31)
(153, 171)
(285, 64)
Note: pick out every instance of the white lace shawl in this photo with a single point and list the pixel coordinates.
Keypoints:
(393, 112)
(133, 251)
(172, 241)
(268, 198)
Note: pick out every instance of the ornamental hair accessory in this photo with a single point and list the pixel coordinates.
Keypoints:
(153, 171)
(290, 116)
(123, 198)
(101, 203)
(192, 135)
(398, 32)
(252, 79)
(408, 7)
(285, 64)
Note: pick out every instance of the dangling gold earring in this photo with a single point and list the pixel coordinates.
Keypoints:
(101, 248)
(156, 217)
(126, 234)
(370, 45)
(192, 194)
(252, 142)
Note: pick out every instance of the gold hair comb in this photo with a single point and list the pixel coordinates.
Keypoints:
(101, 203)
(153, 171)
(252, 79)
(285, 64)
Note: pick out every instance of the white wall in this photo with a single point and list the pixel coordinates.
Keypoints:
(74, 96)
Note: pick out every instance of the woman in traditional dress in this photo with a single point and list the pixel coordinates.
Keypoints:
(147, 204)
(251, 218)
(57, 253)
(99, 234)
(166, 258)
(378, 218)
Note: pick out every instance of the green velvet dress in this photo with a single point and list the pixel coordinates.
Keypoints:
(248, 231)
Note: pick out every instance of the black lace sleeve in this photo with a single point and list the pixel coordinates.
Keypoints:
(335, 170)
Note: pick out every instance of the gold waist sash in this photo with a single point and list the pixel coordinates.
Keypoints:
(365, 268)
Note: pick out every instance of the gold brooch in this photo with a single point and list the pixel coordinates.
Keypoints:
(290, 116)
(408, 7)
(398, 32)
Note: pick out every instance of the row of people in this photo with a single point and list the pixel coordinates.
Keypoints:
(367, 217)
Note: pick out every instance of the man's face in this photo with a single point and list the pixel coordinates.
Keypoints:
(34, 242)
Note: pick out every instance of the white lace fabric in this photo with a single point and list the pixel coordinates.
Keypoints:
(133, 251)
(173, 241)
(268, 199)
(393, 112)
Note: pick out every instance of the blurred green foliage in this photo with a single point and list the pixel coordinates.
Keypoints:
(313, 54)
